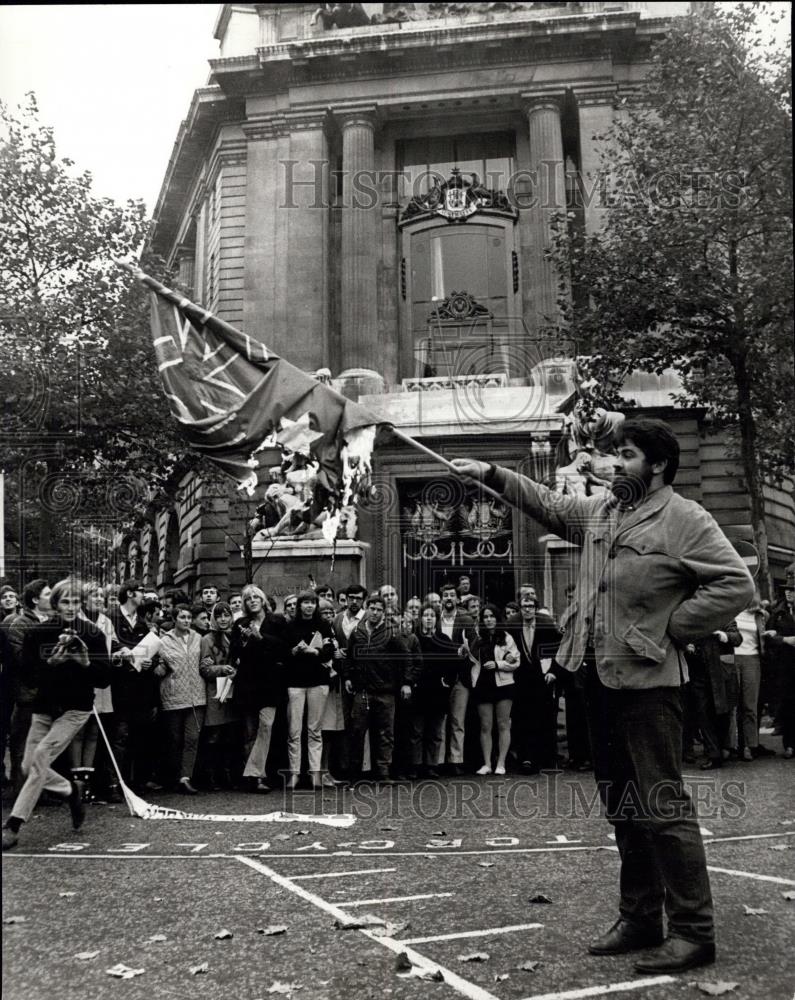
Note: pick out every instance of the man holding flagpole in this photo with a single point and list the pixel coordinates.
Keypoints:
(656, 572)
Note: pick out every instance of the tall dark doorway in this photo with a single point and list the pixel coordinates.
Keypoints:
(448, 530)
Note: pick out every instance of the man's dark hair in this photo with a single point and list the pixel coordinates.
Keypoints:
(198, 609)
(376, 598)
(32, 592)
(656, 440)
(183, 607)
(149, 607)
(325, 586)
(355, 588)
(176, 596)
(127, 588)
(448, 585)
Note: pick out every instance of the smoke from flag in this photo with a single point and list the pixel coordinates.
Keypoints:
(232, 397)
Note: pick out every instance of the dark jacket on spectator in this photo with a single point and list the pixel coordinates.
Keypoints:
(708, 658)
(16, 626)
(64, 686)
(259, 661)
(440, 666)
(132, 690)
(307, 669)
(378, 662)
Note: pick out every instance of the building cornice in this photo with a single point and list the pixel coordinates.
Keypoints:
(397, 49)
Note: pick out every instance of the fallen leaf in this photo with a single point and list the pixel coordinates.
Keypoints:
(272, 929)
(434, 976)
(779, 847)
(439, 833)
(86, 956)
(357, 923)
(539, 898)
(67, 895)
(156, 939)
(485, 864)
(751, 911)
(475, 956)
(302, 833)
(441, 843)
(528, 966)
(196, 970)
(285, 988)
(403, 963)
(157, 899)
(501, 977)
(14, 920)
(282, 836)
(387, 829)
(716, 989)
(789, 894)
(390, 930)
(224, 935)
(122, 971)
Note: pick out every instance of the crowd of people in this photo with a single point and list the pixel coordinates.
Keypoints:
(243, 693)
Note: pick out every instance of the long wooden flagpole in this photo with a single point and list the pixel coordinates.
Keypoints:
(448, 464)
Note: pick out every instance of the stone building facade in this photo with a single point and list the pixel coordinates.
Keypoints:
(367, 188)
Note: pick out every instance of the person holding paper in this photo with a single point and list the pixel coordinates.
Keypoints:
(222, 722)
(310, 645)
(494, 659)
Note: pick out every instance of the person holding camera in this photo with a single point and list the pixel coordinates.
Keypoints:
(64, 659)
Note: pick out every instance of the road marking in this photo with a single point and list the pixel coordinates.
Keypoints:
(748, 836)
(598, 991)
(353, 871)
(78, 855)
(754, 875)
(488, 932)
(470, 990)
(398, 899)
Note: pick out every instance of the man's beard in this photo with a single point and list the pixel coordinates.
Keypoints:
(631, 490)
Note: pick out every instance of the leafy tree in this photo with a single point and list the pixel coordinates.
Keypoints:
(693, 267)
(87, 430)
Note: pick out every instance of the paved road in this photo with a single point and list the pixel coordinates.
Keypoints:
(452, 866)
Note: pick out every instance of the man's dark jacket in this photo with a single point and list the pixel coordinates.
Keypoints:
(64, 686)
(132, 690)
(378, 662)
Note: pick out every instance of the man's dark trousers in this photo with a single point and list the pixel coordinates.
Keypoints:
(374, 713)
(636, 737)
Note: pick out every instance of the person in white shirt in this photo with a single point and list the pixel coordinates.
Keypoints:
(748, 660)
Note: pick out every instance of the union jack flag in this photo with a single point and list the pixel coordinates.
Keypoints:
(232, 396)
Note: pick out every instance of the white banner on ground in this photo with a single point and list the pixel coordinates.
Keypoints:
(145, 810)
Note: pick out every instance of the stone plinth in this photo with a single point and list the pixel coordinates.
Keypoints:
(357, 382)
(284, 566)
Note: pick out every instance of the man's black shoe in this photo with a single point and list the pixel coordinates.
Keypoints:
(761, 751)
(76, 805)
(711, 763)
(624, 936)
(457, 770)
(677, 955)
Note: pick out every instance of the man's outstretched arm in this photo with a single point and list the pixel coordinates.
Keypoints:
(560, 513)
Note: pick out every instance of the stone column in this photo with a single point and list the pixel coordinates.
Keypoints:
(266, 241)
(306, 202)
(361, 353)
(546, 166)
(595, 112)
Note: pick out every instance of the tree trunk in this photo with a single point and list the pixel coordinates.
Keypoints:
(753, 479)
